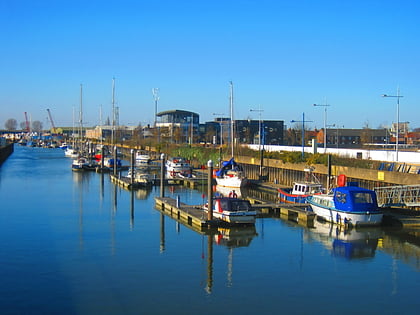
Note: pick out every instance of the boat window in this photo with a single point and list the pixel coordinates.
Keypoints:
(362, 197)
(341, 197)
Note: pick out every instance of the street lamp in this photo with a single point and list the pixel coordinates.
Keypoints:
(398, 120)
(221, 126)
(303, 132)
(259, 110)
(325, 124)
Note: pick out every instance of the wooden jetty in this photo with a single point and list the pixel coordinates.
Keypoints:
(189, 215)
(125, 182)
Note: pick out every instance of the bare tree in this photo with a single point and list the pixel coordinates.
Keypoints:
(37, 126)
(11, 124)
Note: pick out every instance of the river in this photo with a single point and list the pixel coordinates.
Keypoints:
(74, 243)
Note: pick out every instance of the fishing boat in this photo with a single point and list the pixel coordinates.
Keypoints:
(299, 192)
(301, 189)
(178, 165)
(80, 164)
(349, 205)
(230, 174)
(233, 210)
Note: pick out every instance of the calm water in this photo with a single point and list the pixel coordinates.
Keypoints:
(73, 243)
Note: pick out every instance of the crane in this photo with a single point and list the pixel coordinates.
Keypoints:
(53, 130)
(28, 129)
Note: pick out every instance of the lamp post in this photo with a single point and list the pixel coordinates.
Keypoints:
(259, 110)
(325, 124)
(398, 96)
(303, 132)
(221, 126)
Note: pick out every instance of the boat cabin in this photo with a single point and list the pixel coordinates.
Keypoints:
(306, 189)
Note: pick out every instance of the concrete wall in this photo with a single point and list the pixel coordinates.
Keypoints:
(377, 155)
(5, 152)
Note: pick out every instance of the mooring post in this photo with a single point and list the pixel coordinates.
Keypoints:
(132, 166)
(115, 160)
(210, 190)
(329, 172)
(102, 158)
(162, 175)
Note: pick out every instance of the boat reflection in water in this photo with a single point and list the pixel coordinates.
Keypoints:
(227, 191)
(349, 243)
(235, 236)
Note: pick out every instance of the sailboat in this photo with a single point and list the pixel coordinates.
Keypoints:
(231, 174)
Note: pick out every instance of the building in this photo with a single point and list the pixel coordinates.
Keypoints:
(178, 126)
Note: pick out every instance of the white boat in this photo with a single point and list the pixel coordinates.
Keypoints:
(140, 178)
(70, 152)
(233, 210)
(142, 159)
(222, 191)
(349, 205)
(178, 165)
(80, 164)
(231, 175)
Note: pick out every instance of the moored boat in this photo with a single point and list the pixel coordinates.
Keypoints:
(80, 164)
(142, 159)
(178, 165)
(230, 174)
(348, 205)
(299, 192)
(233, 210)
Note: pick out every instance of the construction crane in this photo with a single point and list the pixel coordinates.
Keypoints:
(28, 129)
(53, 129)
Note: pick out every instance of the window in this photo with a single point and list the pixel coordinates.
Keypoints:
(362, 197)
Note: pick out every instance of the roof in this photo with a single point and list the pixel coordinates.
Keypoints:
(176, 111)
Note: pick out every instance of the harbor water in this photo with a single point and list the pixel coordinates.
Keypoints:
(74, 243)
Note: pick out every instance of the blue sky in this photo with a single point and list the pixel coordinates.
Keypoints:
(282, 56)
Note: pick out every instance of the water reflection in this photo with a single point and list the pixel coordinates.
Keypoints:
(349, 243)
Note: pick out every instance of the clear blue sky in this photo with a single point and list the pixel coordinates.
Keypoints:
(281, 55)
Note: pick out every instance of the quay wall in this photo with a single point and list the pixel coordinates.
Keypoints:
(5, 152)
(287, 173)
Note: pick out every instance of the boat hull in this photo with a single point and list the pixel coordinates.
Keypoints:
(236, 218)
(286, 197)
(232, 182)
(343, 217)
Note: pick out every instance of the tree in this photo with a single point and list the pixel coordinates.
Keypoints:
(11, 124)
(37, 126)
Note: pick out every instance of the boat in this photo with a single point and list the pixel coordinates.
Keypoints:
(178, 165)
(230, 174)
(80, 164)
(349, 205)
(110, 163)
(233, 210)
(140, 178)
(221, 191)
(71, 152)
(63, 146)
(299, 192)
(142, 159)
(301, 189)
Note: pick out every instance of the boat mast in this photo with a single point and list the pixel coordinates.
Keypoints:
(232, 140)
(113, 112)
(81, 116)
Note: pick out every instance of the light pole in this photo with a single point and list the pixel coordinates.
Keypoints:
(221, 126)
(259, 110)
(303, 132)
(325, 124)
(398, 96)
